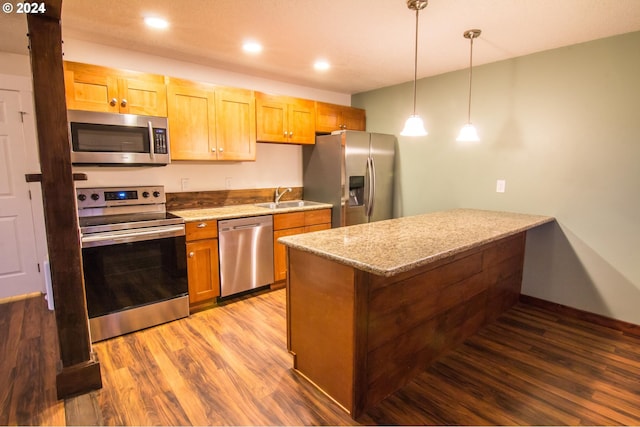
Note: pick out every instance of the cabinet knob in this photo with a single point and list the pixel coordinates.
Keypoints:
(202, 225)
(290, 134)
(113, 102)
(191, 254)
(123, 103)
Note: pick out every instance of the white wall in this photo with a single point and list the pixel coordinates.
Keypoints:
(561, 127)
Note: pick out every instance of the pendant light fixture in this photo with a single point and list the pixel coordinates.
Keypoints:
(414, 125)
(468, 132)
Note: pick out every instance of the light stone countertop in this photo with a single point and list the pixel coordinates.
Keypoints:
(240, 211)
(390, 247)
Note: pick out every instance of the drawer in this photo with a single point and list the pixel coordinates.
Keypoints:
(198, 230)
(320, 216)
(288, 220)
(317, 227)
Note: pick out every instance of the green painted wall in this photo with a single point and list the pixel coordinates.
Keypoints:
(562, 127)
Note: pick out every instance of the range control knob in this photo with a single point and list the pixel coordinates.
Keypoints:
(156, 194)
(145, 194)
(95, 196)
(82, 197)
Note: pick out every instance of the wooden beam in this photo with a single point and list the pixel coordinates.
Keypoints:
(80, 370)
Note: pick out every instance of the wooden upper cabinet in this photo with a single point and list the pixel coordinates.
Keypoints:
(95, 88)
(207, 122)
(192, 121)
(332, 117)
(236, 124)
(285, 119)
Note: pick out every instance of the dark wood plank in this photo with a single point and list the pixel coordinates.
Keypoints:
(229, 365)
(29, 349)
(80, 371)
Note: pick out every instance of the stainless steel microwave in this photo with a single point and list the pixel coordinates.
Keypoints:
(118, 139)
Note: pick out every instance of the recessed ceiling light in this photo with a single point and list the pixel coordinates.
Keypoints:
(155, 22)
(252, 47)
(321, 65)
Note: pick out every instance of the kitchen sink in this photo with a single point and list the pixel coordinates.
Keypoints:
(287, 204)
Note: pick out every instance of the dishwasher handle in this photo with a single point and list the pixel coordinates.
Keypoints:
(254, 225)
(242, 224)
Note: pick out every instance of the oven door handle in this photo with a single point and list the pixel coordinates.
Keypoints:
(105, 239)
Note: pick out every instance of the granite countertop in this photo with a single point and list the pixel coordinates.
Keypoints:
(240, 211)
(394, 246)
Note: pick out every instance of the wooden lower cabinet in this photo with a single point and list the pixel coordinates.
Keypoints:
(288, 224)
(202, 262)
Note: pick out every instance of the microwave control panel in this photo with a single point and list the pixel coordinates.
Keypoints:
(160, 145)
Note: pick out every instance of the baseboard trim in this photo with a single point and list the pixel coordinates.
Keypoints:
(598, 319)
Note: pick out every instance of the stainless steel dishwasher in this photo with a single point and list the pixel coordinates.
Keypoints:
(246, 254)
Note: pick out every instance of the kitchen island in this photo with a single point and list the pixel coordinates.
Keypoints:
(370, 306)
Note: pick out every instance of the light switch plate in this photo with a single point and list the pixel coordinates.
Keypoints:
(500, 185)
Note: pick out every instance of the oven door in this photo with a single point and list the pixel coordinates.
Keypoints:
(126, 275)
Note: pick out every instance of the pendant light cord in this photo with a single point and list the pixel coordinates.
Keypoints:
(470, 77)
(415, 66)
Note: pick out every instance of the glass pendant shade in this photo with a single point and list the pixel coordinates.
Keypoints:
(468, 133)
(414, 126)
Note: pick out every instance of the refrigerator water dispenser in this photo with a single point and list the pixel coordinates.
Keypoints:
(356, 190)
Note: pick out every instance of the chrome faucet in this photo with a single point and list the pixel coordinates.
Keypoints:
(279, 194)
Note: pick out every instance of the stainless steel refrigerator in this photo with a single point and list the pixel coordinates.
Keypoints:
(354, 171)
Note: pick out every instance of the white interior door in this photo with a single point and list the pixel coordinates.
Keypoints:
(19, 269)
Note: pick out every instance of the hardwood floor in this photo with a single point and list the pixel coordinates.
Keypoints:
(229, 365)
(28, 358)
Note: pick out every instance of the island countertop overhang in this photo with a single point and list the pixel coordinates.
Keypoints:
(391, 247)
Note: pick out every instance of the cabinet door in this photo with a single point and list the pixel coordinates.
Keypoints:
(235, 124)
(302, 122)
(271, 118)
(192, 124)
(280, 252)
(202, 270)
(332, 117)
(354, 118)
(146, 97)
(328, 117)
(90, 88)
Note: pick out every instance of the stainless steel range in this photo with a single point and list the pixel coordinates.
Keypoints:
(134, 259)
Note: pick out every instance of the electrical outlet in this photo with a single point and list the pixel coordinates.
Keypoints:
(500, 185)
(227, 183)
(184, 184)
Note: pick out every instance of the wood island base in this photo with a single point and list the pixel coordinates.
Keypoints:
(359, 336)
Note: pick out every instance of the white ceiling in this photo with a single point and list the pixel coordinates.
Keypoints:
(370, 43)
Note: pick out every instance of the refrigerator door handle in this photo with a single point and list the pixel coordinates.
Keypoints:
(372, 189)
(371, 183)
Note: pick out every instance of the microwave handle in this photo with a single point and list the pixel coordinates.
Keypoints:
(152, 144)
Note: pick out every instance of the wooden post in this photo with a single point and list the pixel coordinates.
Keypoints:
(80, 371)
